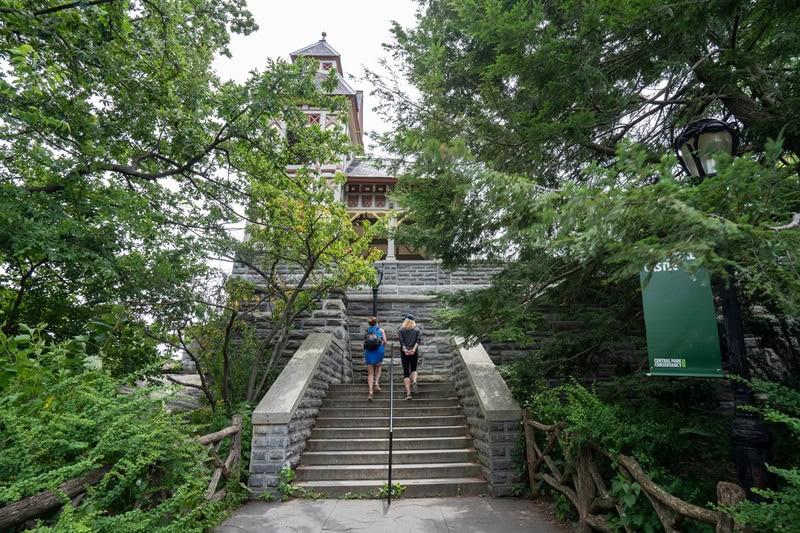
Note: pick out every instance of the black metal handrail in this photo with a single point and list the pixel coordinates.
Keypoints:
(391, 419)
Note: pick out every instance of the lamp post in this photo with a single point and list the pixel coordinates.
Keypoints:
(696, 147)
(375, 291)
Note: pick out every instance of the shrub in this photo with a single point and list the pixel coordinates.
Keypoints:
(61, 417)
(781, 509)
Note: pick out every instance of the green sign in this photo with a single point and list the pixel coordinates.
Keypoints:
(679, 315)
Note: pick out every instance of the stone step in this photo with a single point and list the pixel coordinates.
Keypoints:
(381, 400)
(368, 471)
(383, 421)
(381, 457)
(382, 443)
(432, 450)
(432, 380)
(401, 410)
(398, 432)
(398, 396)
(352, 391)
(414, 488)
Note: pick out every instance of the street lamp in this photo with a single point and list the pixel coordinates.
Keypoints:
(700, 141)
(375, 292)
(696, 147)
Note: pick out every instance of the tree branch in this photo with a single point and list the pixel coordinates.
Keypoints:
(793, 224)
(55, 9)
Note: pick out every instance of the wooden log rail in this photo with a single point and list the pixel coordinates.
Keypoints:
(231, 465)
(47, 501)
(582, 484)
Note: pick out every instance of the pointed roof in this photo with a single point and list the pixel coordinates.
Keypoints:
(319, 49)
(342, 88)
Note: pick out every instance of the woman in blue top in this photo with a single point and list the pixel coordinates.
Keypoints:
(374, 357)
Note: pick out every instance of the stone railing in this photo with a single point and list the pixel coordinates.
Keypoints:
(494, 417)
(283, 419)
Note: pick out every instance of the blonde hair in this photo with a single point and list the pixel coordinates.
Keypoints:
(409, 323)
(372, 321)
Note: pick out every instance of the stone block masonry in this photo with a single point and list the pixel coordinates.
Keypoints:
(493, 416)
(412, 287)
(283, 419)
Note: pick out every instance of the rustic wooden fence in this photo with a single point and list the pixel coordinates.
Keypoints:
(231, 464)
(583, 485)
(47, 502)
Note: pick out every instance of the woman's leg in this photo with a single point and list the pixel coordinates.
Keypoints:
(406, 360)
(413, 370)
(378, 374)
(370, 371)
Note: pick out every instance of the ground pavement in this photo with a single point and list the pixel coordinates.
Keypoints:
(423, 515)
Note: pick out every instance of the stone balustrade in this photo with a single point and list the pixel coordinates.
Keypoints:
(494, 417)
(283, 419)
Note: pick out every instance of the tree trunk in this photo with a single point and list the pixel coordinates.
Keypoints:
(47, 501)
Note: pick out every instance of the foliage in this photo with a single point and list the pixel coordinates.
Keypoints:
(779, 511)
(397, 490)
(684, 453)
(301, 246)
(61, 417)
(563, 509)
(541, 133)
(542, 88)
(114, 195)
(383, 492)
(103, 181)
(287, 490)
(638, 511)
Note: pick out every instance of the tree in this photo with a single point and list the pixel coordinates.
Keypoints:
(124, 159)
(543, 132)
(300, 246)
(108, 153)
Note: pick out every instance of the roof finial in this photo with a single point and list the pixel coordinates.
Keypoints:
(324, 35)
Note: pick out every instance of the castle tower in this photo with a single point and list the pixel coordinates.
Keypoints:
(368, 180)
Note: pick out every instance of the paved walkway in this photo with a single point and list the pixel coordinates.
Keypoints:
(445, 515)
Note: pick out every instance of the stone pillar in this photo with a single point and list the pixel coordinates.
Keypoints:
(390, 242)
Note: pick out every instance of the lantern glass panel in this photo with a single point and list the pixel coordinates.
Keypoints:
(710, 143)
(688, 159)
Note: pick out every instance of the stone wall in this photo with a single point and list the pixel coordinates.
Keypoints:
(494, 417)
(283, 419)
(411, 287)
(418, 277)
(434, 351)
(330, 316)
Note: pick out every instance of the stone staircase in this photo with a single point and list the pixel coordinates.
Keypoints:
(433, 453)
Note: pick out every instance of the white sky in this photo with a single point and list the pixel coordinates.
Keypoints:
(355, 28)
